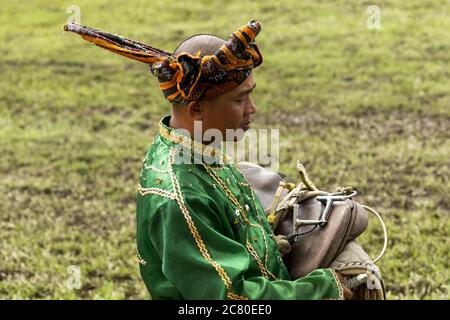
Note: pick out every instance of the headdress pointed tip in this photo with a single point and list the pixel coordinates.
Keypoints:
(70, 26)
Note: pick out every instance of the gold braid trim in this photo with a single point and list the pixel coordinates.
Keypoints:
(193, 229)
(140, 260)
(160, 192)
(338, 284)
(263, 268)
(149, 166)
(197, 147)
(257, 259)
(244, 184)
(234, 296)
(230, 195)
(264, 234)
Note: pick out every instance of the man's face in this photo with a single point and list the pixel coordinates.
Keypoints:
(231, 110)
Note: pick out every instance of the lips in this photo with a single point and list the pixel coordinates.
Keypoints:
(246, 125)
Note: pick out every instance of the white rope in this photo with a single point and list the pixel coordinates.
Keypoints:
(384, 232)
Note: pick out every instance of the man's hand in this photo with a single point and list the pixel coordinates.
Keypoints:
(348, 294)
(283, 244)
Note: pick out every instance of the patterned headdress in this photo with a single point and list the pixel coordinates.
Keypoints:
(185, 77)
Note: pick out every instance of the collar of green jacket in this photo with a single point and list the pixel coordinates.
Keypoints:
(199, 151)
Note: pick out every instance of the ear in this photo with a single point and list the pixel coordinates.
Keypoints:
(195, 110)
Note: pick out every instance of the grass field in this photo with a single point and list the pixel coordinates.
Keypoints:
(359, 107)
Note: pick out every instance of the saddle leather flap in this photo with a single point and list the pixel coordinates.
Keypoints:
(262, 181)
(321, 244)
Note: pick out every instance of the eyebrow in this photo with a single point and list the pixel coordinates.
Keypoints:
(244, 92)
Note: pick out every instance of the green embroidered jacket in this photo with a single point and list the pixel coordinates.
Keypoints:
(202, 232)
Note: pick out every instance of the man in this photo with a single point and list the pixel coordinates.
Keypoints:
(201, 231)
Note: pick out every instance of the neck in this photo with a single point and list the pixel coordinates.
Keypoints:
(177, 122)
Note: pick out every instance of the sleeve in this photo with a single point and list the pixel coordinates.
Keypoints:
(203, 263)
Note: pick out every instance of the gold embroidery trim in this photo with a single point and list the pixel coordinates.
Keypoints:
(197, 147)
(141, 261)
(263, 268)
(244, 184)
(257, 259)
(149, 166)
(160, 192)
(338, 284)
(196, 235)
(234, 296)
(260, 221)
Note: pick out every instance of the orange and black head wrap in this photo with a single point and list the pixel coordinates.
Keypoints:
(185, 77)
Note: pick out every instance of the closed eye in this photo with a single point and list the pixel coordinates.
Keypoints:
(242, 99)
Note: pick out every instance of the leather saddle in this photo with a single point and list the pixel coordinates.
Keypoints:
(321, 227)
(314, 245)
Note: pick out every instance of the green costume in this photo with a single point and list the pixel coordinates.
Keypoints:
(202, 233)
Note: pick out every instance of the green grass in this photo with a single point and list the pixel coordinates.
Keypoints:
(359, 107)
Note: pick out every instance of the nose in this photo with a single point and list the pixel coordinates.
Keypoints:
(251, 109)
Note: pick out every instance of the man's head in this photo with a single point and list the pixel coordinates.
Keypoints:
(206, 78)
(230, 110)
